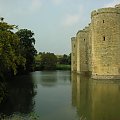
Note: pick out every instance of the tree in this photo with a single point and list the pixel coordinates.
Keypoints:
(69, 59)
(27, 49)
(10, 56)
(48, 61)
(65, 59)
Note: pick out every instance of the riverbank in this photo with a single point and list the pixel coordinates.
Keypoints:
(63, 67)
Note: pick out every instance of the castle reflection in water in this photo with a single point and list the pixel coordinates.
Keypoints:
(96, 99)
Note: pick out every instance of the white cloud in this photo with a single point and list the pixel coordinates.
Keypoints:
(57, 2)
(35, 5)
(112, 4)
(71, 19)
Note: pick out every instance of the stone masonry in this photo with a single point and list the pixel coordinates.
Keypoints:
(96, 48)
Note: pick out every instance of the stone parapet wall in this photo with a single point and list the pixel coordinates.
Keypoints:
(105, 10)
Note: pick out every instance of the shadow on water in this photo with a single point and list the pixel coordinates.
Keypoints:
(20, 96)
(96, 99)
(45, 94)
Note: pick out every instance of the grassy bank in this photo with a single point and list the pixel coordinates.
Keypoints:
(63, 67)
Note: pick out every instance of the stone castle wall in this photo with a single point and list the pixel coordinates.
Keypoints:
(74, 54)
(98, 45)
(82, 37)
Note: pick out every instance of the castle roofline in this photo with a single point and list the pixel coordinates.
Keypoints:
(73, 38)
(81, 31)
(105, 10)
(84, 30)
(117, 6)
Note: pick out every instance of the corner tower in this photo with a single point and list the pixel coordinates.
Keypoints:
(105, 36)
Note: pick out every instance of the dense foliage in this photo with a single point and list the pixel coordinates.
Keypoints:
(16, 52)
(27, 47)
(65, 59)
(10, 56)
(48, 61)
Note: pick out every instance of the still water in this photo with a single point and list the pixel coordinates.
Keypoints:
(60, 95)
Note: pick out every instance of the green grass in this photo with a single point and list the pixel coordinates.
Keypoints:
(63, 67)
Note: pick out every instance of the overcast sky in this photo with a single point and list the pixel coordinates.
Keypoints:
(54, 22)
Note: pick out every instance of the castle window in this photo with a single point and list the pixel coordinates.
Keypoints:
(84, 39)
(103, 21)
(74, 46)
(104, 38)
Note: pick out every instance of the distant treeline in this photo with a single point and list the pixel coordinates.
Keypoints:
(17, 53)
(50, 61)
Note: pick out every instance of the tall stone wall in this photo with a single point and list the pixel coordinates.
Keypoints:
(78, 53)
(105, 30)
(97, 47)
(82, 51)
(89, 48)
(74, 54)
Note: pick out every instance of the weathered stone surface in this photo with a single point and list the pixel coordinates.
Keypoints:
(74, 54)
(97, 47)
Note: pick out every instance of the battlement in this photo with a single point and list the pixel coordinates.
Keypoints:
(73, 38)
(84, 30)
(80, 31)
(105, 10)
(117, 6)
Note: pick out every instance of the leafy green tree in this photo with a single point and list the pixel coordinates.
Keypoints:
(10, 56)
(48, 61)
(27, 49)
(65, 59)
(69, 59)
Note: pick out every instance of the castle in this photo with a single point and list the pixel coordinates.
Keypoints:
(96, 48)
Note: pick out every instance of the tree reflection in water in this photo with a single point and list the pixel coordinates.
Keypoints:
(48, 79)
(21, 92)
(96, 99)
(3, 91)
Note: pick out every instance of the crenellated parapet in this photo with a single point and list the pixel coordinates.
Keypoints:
(105, 10)
(117, 6)
(86, 29)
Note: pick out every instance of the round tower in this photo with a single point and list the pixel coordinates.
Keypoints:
(105, 30)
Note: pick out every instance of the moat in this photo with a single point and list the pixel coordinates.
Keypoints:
(60, 95)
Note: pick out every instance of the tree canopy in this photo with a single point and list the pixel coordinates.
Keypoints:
(48, 61)
(65, 59)
(17, 53)
(10, 55)
(27, 49)
(16, 49)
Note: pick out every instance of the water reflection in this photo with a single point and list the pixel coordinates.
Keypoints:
(51, 78)
(48, 79)
(20, 96)
(2, 91)
(96, 99)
